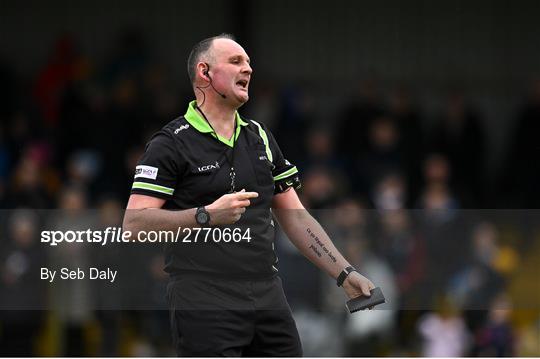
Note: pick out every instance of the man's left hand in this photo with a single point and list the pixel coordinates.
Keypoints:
(356, 285)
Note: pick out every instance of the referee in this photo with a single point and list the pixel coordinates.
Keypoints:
(214, 171)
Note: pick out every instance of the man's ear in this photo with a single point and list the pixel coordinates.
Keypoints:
(203, 67)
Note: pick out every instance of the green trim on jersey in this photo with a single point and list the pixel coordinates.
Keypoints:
(153, 187)
(286, 174)
(264, 137)
(199, 123)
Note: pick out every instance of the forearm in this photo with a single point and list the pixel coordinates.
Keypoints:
(144, 213)
(311, 240)
(136, 220)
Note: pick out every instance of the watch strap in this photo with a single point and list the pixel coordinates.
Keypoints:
(344, 274)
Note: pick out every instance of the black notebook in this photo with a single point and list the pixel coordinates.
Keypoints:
(362, 302)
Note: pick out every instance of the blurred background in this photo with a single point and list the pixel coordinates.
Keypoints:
(415, 122)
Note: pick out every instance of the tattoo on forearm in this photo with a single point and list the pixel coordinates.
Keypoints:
(320, 245)
(312, 247)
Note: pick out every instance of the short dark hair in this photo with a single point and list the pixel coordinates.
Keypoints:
(200, 49)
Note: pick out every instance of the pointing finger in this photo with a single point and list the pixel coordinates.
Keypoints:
(247, 195)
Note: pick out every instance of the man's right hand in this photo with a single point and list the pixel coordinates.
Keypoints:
(228, 208)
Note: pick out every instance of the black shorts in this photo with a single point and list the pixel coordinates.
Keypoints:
(215, 317)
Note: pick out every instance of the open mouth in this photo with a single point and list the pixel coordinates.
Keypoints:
(242, 83)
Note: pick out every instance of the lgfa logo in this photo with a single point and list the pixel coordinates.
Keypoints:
(208, 167)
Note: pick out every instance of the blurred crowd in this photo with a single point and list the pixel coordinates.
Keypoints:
(401, 194)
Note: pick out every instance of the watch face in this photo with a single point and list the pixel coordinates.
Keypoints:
(202, 218)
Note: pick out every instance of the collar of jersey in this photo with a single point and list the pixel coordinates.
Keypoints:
(199, 123)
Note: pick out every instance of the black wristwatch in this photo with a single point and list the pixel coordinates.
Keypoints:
(344, 274)
(202, 216)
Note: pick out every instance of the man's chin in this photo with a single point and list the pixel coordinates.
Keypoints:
(242, 98)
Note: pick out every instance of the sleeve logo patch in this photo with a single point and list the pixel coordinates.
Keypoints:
(146, 172)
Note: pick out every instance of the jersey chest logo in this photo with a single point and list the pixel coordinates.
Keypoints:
(208, 167)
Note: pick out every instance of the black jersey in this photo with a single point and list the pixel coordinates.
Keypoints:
(188, 164)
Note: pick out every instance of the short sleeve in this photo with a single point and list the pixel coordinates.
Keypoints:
(156, 173)
(283, 169)
(285, 173)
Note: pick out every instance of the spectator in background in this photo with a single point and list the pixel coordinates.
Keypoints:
(349, 222)
(77, 124)
(129, 57)
(482, 278)
(478, 282)
(161, 99)
(321, 188)
(27, 187)
(520, 176)
(445, 234)
(356, 120)
(320, 152)
(383, 155)
(496, 338)
(82, 168)
(21, 132)
(298, 113)
(400, 245)
(437, 184)
(72, 299)
(325, 181)
(404, 250)
(443, 332)
(390, 193)
(20, 286)
(64, 66)
(123, 120)
(412, 137)
(126, 114)
(107, 298)
(458, 135)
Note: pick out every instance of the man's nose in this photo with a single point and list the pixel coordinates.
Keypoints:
(247, 69)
